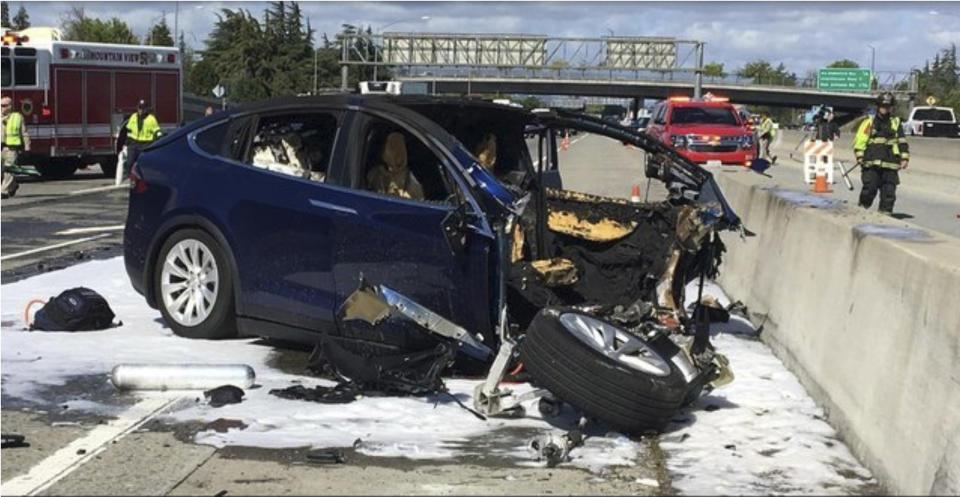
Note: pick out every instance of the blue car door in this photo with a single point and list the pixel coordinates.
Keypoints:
(400, 242)
(283, 243)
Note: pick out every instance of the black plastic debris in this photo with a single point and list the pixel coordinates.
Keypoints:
(13, 441)
(342, 393)
(223, 425)
(223, 395)
(76, 309)
(326, 456)
(374, 368)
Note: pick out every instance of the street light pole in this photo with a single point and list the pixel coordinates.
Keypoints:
(873, 59)
(380, 29)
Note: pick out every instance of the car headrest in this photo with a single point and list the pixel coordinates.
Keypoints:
(395, 152)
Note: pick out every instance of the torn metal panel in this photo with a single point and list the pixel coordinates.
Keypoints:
(374, 304)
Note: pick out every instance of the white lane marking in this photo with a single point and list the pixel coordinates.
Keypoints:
(98, 189)
(91, 229)
(64, 461)
(577, 139)
(55, 246)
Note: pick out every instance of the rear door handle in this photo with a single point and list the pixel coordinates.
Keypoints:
(333, 207)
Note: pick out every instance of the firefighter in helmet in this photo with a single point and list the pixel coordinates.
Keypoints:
(140, 131)
(14, 141)
(881, 150)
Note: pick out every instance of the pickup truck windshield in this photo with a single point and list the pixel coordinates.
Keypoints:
(932, 115)
(704, 115)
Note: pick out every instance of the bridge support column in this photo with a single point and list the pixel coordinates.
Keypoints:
(698, 86)
(636, 106)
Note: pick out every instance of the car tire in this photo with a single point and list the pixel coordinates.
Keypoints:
(203, 314)
(611, 390)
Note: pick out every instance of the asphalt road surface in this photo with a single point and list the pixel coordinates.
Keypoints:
(145, 456)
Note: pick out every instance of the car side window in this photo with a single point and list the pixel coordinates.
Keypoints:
(299, 144)
(395, 162)
(211, 140)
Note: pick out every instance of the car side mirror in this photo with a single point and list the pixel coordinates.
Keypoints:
(455, 229)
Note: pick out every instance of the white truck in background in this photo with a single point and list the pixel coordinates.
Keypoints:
(932, 121)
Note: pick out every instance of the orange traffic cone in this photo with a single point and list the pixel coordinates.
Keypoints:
(820, 183)
(635, 194)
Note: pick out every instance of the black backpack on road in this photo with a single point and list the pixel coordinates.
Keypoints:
(76, 309)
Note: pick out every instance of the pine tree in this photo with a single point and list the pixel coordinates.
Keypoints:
(21, 20)
(159, 35)
(6, 15)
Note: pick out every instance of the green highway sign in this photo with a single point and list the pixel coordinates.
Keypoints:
(843, 79)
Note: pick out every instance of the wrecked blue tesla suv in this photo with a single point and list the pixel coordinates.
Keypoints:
(403, 234)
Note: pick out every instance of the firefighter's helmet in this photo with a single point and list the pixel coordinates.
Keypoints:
(886, 99)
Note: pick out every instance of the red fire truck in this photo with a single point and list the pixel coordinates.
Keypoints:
(75, 96)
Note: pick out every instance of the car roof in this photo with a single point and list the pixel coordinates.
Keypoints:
(399, 106)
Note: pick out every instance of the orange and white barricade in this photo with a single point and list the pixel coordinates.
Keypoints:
(817, 153)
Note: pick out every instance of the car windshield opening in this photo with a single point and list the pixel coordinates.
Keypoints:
(704, 115)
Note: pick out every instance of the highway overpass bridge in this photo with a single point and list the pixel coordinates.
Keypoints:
(611, 66)
(744, 94)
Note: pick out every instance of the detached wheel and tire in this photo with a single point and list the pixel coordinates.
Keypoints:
(607, 373)
(194, 286)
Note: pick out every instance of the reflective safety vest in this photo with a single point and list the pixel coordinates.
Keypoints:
(145, 132)
(881, 147)
(11, 133)
(767, 127)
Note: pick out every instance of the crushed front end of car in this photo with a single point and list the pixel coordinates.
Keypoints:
(588, 297)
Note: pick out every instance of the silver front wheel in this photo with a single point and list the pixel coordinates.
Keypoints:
(615, 344)
(189, 282)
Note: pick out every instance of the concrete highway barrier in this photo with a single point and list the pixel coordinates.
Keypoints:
(864, 309)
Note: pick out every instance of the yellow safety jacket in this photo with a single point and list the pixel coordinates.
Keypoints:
(11, 133)
(767, 127)
(881, 146)
(146, 132)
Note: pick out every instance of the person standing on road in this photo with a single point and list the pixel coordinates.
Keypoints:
(141, 130)
(767, 132)
(827, 129)
(881, 150)
(14, 140)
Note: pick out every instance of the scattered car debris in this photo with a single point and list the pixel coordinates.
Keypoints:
(326, 456)
(223, 395)
(13, 440)
(181, 376)
(223, 425)
(342, 393)
(556, 449)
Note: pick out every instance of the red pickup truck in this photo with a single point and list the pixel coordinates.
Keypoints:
(705, 131)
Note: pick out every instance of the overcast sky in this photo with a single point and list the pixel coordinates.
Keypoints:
(803, 35)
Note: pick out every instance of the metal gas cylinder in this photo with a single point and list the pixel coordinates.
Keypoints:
(180, 376)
